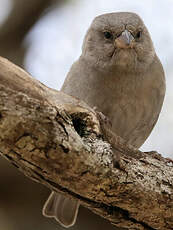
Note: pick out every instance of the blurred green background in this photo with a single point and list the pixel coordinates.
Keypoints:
(44, 37)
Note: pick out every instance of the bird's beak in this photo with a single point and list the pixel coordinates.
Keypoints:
(124, 40)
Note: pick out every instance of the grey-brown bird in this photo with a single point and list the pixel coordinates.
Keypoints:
(120, 74)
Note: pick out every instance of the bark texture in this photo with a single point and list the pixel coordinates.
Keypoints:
(60, 142)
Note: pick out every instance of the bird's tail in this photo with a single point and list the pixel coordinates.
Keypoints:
(62, 208)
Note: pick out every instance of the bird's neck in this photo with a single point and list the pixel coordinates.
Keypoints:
(101, 84)
(107, 67)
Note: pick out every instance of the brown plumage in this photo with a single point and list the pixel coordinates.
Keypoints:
(119, 73)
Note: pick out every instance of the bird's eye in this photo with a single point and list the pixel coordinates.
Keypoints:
(138, 35)
(108, 35)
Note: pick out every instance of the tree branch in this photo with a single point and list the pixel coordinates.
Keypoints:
(60, 142)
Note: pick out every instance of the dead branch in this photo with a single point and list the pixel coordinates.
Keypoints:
(58, 141)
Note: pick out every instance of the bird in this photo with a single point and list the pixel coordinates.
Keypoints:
(121, 75)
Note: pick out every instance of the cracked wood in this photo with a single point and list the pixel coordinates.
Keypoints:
(60, 142)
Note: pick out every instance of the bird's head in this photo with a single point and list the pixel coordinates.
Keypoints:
(118, 41)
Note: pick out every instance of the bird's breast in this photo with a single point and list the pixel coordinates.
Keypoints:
(131, 102)
(131, 106)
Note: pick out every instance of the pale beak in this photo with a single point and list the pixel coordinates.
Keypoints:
(124, 40)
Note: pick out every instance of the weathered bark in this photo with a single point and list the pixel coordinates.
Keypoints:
(58, 141)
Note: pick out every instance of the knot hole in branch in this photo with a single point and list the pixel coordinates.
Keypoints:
(80, 124)
(1, 116)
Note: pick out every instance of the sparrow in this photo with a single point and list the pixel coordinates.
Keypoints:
(120, 74)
